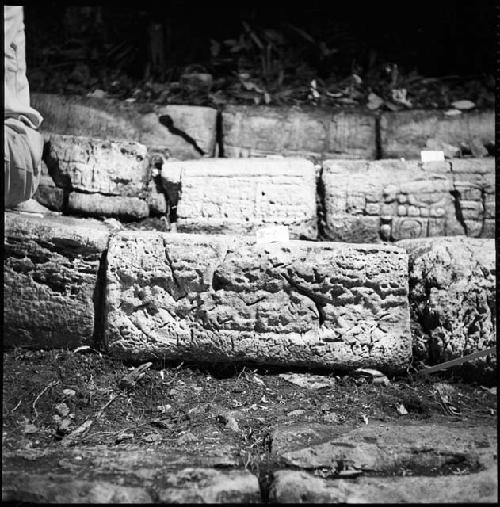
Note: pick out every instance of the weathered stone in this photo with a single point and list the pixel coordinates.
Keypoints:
(50, 278)
(131, 474)
(183, 127)
(406, 133)
(180, 296)
(235, 196)
(98, 205)
(415, 199)
(205, 485)
(97, 166)
(384, 448)
(250, 131)
(301, 487)
(49, 195)
(452, 297)
(35, 488)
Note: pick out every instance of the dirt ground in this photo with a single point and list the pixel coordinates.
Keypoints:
(219, 409)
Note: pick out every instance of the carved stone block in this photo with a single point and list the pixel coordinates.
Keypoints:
(405, 133)
(258, 131)
(415, 199)
(221, 298)
(51, 288)
(237, 196)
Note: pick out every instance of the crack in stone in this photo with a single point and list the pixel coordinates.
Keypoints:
(319, 301)
(458, 209)
(167, 121)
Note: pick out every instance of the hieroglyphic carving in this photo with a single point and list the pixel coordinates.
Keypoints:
(409, 198)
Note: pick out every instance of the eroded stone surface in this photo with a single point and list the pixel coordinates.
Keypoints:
(387, 200)
(234, 196)
(116, 119)
(384, 448)
(405, 133)
(179, 296)
(50, 276)
(124, 474)
(452, 297)
(48, 194)
(94, 165)
(291, 486)
(98, 205)
(250, 131)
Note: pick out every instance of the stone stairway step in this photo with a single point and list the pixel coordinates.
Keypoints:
(236, 196)
(216, 298)
(250, 131)
(370, 201)
(235, 299)
(406, 133)
(51, 282)
(192, 130)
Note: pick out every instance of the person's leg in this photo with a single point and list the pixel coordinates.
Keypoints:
(23, 153)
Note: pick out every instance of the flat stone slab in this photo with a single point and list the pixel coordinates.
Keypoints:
(214, 298)
(180, 131)
(51, 269)
(250, 131)
(290, 486)
(387, 200)
(98, 205)
(125, 474)
(237, 196)
(385, 448)
(452, 297)
(406, 133)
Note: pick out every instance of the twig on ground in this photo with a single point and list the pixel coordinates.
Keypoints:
(42, 392)
(83, 428)
(16, 407)
(460, 360)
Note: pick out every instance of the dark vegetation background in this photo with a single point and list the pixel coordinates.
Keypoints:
(279, 46)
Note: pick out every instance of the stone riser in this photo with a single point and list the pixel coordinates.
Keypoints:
(340, 200)
(187, 132)
(158, 295)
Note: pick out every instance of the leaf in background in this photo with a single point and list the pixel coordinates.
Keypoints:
(302, 33)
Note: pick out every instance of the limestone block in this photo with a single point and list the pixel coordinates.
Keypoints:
(177, 134)
(98, 166)
(98, 205)
(237, 196)
(405, 133)
(222, 298)
(291, 486)
(250, 131)
(413, 199)
(384, 448)
(50, 280)
(452, 297)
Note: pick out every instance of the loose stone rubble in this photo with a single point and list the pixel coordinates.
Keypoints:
(51, 280)
(179, 296)
(406, 133)
(452, 297)
(236, 196)
(387, 200)
(250, 131)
